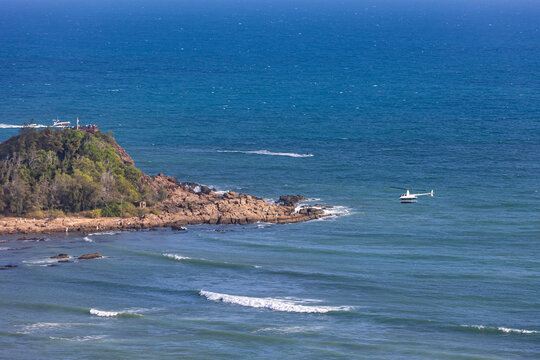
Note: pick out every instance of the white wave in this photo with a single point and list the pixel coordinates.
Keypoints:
(11, 126)
(4, 248)
(86, 238)
(503, 329)
(44, 261)
(286, 305)
(80, 338)
(290, 329)
(103, 313)
(519, 331)
(176, 257)
(337, 211)
(105, 233)
(328, 211)
(266, 152)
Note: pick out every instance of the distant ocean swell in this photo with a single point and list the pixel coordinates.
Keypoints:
(206, 262)
(266, 152)
(275, 304)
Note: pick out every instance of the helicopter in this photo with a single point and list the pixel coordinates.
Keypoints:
(409, 198)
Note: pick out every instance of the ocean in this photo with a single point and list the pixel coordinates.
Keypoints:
(336, 101)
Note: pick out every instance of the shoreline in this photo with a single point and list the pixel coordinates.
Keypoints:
(186, 204)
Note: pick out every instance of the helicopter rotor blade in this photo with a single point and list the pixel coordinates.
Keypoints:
(395, 187)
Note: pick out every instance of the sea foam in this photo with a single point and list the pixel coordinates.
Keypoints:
(79, 338)
(103, 313)
(266, 152)
(176, 257)
(127, 312)
(502, 329)
(287, 305)
(45, 326)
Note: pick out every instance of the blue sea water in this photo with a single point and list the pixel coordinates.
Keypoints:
(233, 94)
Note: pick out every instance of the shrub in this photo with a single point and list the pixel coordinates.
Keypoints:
(96, 213)
(35, 214)
(53, 214)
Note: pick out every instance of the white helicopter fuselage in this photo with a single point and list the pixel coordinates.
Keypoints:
(412, 198)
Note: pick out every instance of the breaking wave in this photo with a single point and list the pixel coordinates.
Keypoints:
(286, 305)
(266, 152)
(337, 211)
(501, 329)
(128, 313)
(290, 329)
(328, 211)
(176, 257)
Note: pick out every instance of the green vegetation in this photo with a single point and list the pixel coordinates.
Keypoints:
(54, 172)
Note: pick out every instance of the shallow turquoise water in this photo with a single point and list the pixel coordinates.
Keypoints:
(420, 96)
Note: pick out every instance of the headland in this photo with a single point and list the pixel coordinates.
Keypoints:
(74, 180)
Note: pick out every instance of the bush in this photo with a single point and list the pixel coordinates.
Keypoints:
(119, 209)
(53, 214)
(96, 213)
(155, 212)
(38, 214)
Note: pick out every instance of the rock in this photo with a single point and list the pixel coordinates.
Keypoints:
(60, 256)
(178, 227)
(64, 261)
(10, 266)
(290, 200)
(90, 256)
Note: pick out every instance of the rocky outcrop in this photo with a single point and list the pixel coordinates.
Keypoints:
(60, 256)
(183, 205)
(90, 256)
(290, 200)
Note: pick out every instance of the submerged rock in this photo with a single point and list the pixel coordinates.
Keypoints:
(64, 261)
(178, 227)
(290, 200)
(90, 256)
(60, 256)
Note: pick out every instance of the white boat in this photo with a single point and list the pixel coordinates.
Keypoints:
(61, 124)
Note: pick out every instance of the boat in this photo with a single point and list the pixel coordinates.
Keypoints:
(61, 124)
